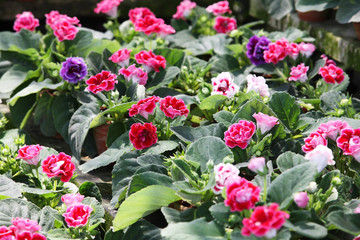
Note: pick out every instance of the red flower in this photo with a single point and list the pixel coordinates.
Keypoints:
(332, 74)
(149, 24)
(239, 134)
(312, 141)
(241, 194)
(143, 136)
(277, 51)
(77, 215)
(173, 107)
(59, 166)
(144, 107)
(104, 81)
(264, 221)
(349, 142)
(138, 13)
(150, 60)
(224, 24)
(25, 20)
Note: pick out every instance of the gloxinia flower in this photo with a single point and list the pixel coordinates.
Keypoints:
(224, 24)
(332, 74)
(150, 61)
(151, 24)
(183, 10)
(59, 166)
(322, 156)
(257, 165)
(357, 210)
(139, 13)
(121, 57)
(255, 49)
(349, 142)
(219, 8)
(173, 107)
(77, 215)
(104, 81)
(143, 136)
(108, 7)
(144, 107)
(223, 85)
(62, 25)
(332, 129)
(22, 229)
(277, 51)
(30, 154)
(306, 49)
(27, 21)
(70, 199)
(222, 173)
(301, 199)
(313, 140)
(264, 221)
(6, 233)
(73, 69)
(134, 74)
(293, 50)
(265, 122)
(327, 60)
(239, 134)
(299, 73)
(54, 16)
(258, 85)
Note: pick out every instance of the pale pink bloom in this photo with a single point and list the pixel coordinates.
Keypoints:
(150, 61)
(222, 173)
(306, 49)
(257, 164)
(311, 142)
(224, 24)
(223, 85)
(265, 122)
(108, 7)
(184, 9)
(322, 156)
(25, 20)
(277, 51)
(293, 50)
(332, 129)
(121, 57)
(30, 154)
(349, 142)
(357, 210)
(77, 215)
(165, 30)
(257, 84)
(72, 199)
(301, 199)
(299, 73)
(219, 8)
(134, 74)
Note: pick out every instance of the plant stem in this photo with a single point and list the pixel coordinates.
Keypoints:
(265, 191)
(54, 186)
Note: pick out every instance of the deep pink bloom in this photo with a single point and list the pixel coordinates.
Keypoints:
(139, 13)
(311, 142)
(299, 73)
(150, 24)
(264, 221)
(219, 8)
(54, 16)
(173, 107)
(136, 75)
(108, 7)
(349, 142)
(72, 199)
(257, 164)
(327, 60)
(23, 225)
(183, 10)
(150, 61)
(293, 50)
(301, 199)
(224, 24)
(30, 154)
(257, 84)
(77, 215)
(25, 20)
(332, 74)
(306, 49)
(322, 156)
(332, 129)
(144, 107)
(277, 51)
(121, 57)
(59, 166)
(22, 229)
(165, 30)
(265, 122)
(241, 194)
(6, 233)
(104, 81)
(357, 210)
(223, 85)
(222, 172)
(143, 136)
(239, 134)
(63, 26)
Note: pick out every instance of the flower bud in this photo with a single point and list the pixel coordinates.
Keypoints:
(312, 187)
(301, 199)
(344, 102)
(336, 181)
(334, 195)
(257, 164)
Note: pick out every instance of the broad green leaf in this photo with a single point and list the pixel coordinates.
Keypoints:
(119, 109)
(220, 213)
(28, 58)
(279, 8)
(9, 188)
(308, 229)
(224, 63)
(164, 77)
(173, 216)
(330, 101)
(191, 134)
(161, 147)
(212, 103)
(315, 71)
(318, 5)
(348, 11)
(7, 137)
(13, 207)
(181, 37)
(142, 230)
(179, 24)
(142, 180)
(174, 57)
(142, 203)
(207, 44)
(193, 62)
(347, 222)
(289, 160)
(90, 189)
(47, 218)
(43, 115)
(291, 34)
(98, 210)
(82, 40)
(24, 39)
(59, 234)
(13, 78)
(341, 87)
(224, 117)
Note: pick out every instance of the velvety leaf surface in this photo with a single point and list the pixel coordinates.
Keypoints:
(289, 160)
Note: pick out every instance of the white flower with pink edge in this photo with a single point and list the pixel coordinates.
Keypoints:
(222, 173)
(223, 85)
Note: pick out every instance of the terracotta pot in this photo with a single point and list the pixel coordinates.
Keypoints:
(315, 16)
(357, 29)
(100, 135)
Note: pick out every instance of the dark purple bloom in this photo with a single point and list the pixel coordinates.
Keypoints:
(73, 69)
(255, 49)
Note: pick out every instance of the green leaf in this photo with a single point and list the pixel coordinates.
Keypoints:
(24, 39)
(174, 57)
(47, 218)
(90, 189)
(291, 34)
(341, 87)
(179, 24)
(224, 117)
(349, 11)
(14, 207)
(289, 160)
(98, 210)
(28, 58)
(173, 216)
(294, 180)
(43, 115)
(308, 229)
(164, 77)
(9, 188)
(330, 101)
(203, 45)
(142, 180)
(347, 222)
(13, 78)
(279, 8)
(212, 103)
(220, 213)
(7, 138)
(82, 40)
(224, 63)
(142, 230)
(59, 234)
(318, 5)
(119, 109)
(161, 147)
(142, 203)
(315, 71)
(181, 37)
(191, 134)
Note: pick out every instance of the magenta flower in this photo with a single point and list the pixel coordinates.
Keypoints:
(72, 199)
(239, 134)
(311, 142)
(150, 24)
(349, 142)
(173, 107)
(258, 85)
(104, 81)
(265, 122)
(332, 129)
(59, 166)
(224, 24)
(219, 8)
(223, 85)
(301, 199)
(134, 74)
(62, 25)
(322, 156)
(27, 21)
(306, 49)
(257, 165)
(30, 154)
(108, 7)
(22, 229)
(150, 61)
(255, 49)
(183, 10)
(222, 173)
(144, 107)
(121, 57)
(77, 215)
(293, 50)
(332, 74)
(139, 13)
(299, 73)
(277, 51)
(143, 135)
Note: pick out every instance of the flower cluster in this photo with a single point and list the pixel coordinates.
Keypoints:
(62, 25)
(104, 81)
(299, 73)
(108, 7)
(59, 166)
(332, 74)
(143, 135)
(223, 85)
(73, 69)
(25, 20)
(222, 173)
(21, 229)
(258, 85)
(183, 10)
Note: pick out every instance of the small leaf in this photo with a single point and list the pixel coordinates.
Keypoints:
(174, 57)
(161, 147)
(224, 117)
(89, 189)
(142, 180)
(308, 229)
(315, 71)
(164, 77)
(220, 213)
(224, 63)
(212, 103)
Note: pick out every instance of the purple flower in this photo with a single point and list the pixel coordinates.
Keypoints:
(73, 69)
(255, 49)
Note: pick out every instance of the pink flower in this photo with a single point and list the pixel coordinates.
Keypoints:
(357, 210)
(241, 194)
(150, 61)
(23, 225)
(151, 24)
(59, 166)
(301, 199)
(63, 26)
(184, 9)
(136, 75)
(139, 13)
(22, 229)
(257, 164)
(312, 141)
(173, 107)
(298, 73)
(223, 85)
(104, 81)
(332, 129)
(306, 49)
(264, 221)
(108, 7)
(224, 24)
(239, 134)
(258, 85)
(332, 74)
(30, 154)
(25, 20)
(293, 50)
(327, 60)
(143, 136)
(322, 156)
(219, 8)
(222, 172)
(72, 199)
(265, 122)
(77, 215)
(54, 16)
(349, 142)
(277, 51)
(6, 233)
(121, 57)
(165, 30)
(144, 107)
